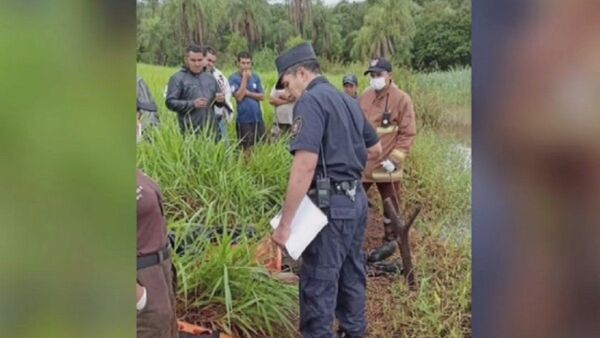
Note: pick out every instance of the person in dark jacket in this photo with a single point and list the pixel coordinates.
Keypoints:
(193, 93)
(150, 119)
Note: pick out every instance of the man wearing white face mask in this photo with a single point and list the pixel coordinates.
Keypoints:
(391, 112)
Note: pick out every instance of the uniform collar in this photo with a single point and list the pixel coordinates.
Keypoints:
(317, 80)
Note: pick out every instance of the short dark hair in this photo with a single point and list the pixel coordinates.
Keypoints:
(211, 50)
(195, 49)
(244, 55)
(310, 65)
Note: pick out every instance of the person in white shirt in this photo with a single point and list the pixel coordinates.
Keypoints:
(284, 107)
(224, 113)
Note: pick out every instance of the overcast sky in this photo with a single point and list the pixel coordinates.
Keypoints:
(327, 2)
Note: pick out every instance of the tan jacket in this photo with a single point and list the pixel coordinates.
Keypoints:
(397, 139)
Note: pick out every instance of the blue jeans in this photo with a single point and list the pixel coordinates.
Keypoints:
(223, 130)
(333, 276)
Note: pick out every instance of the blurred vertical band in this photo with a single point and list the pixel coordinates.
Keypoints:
(67, 149)
(536, 168)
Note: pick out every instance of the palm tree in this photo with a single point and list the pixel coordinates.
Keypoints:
(300, 14)
(388, 31)
(325, 31)
(248, 18)
(190, 19)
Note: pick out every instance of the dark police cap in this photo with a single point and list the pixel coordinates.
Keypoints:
(147, 106)
(379, 65)
(350, 78)
(301, 53)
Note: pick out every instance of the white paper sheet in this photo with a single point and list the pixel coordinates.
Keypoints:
(307, 224)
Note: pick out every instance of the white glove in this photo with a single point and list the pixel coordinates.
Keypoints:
(141, 304)
(389, 166)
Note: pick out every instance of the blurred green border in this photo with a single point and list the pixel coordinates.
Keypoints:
(67, 169)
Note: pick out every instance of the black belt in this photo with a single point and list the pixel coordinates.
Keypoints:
(154, 258)
(338, 187)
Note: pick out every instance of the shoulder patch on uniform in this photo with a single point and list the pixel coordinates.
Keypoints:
(296, 126)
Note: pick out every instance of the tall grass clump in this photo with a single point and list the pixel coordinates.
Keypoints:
(438, 177)
(221, 285)
(196, 173)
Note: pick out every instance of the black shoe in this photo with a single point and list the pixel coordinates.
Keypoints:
(342, 334)
(388, 269)
(384, 251)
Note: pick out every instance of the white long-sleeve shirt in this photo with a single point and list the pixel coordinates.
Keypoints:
(225, 89)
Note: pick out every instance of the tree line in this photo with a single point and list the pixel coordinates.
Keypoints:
(421, 34)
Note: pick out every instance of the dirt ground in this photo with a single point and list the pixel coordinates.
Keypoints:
(378, 288)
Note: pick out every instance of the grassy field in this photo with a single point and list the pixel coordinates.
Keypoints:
(215, 186)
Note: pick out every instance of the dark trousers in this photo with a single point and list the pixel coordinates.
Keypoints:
(332, 277)
(391, 190)
(158, 318)
(250, 133)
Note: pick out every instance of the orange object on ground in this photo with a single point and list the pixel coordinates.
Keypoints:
(195, 330)
(269, 255)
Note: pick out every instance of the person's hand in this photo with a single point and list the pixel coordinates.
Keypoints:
(281, 234)
(220, 97)
(285, 95)
(247, 73)
(388, 166)
(200, 103)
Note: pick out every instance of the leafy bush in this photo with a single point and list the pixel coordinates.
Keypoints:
(264, 59)
(443, 38)
(295, 41)
(236, 44)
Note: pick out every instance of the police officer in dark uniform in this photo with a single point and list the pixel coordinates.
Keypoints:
(331, 141)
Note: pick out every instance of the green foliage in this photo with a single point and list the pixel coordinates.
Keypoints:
(442, 305)
(443, 38)
(424, 34)
(439, 177)
(280, 31)
(236, 45)
(388, 31)
(326, 33)
(213, 184)
(197, 175)
(248, 18)
(442, 99)
(222, 285)
(264, 59)
(295, 41)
